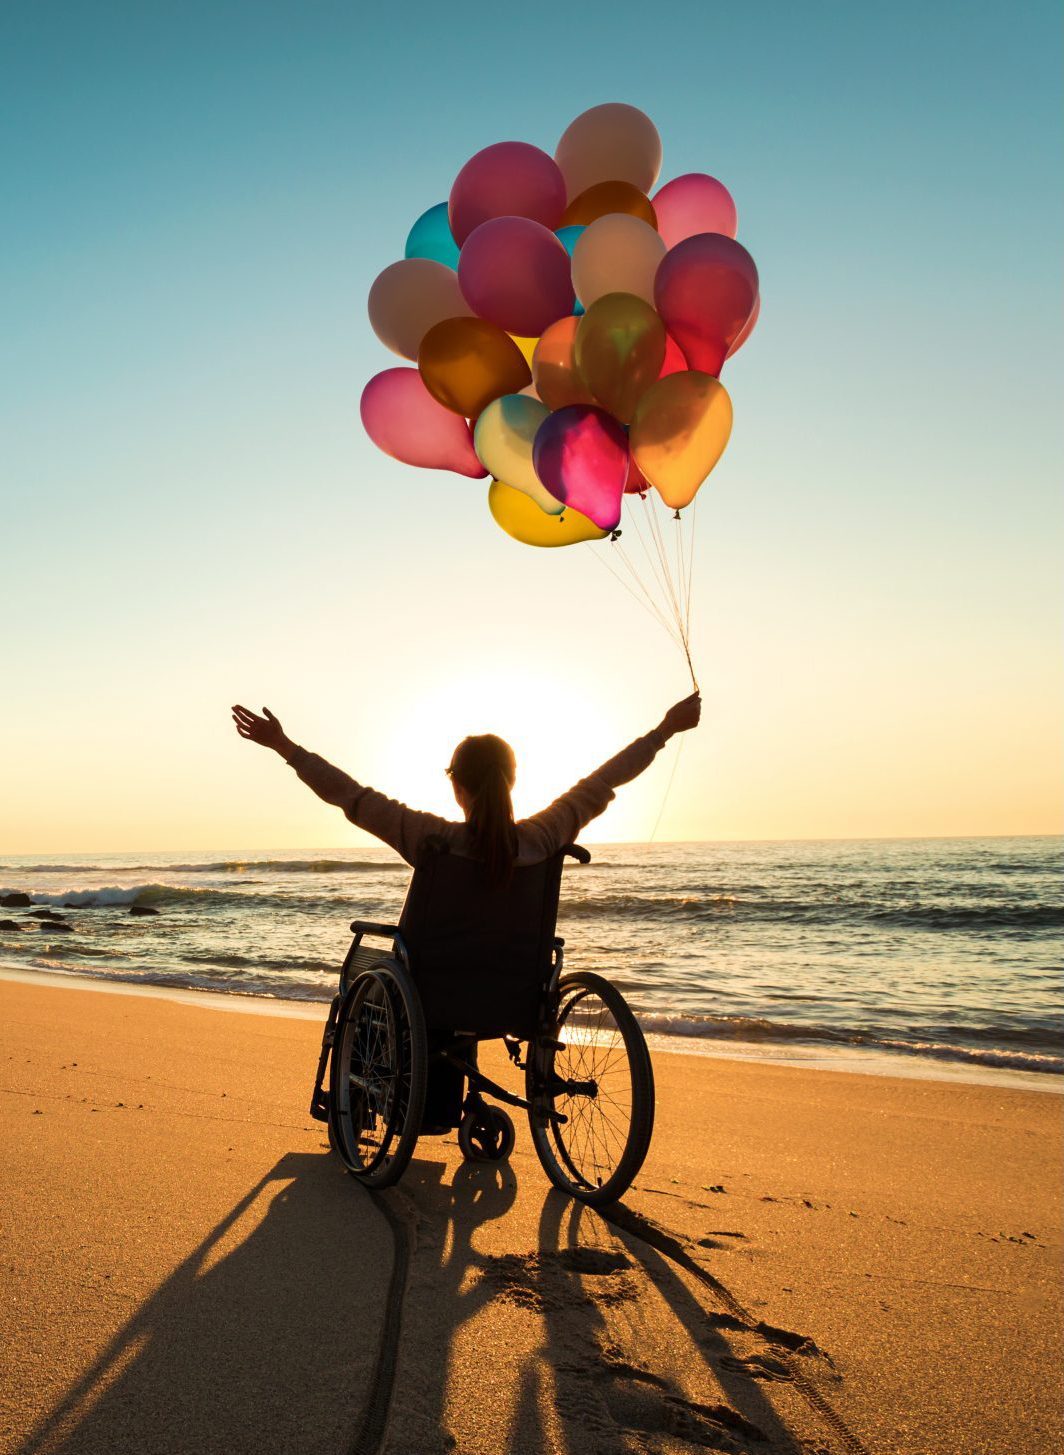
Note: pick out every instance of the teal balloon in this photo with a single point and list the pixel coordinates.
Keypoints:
(431, 237)
(567, 236)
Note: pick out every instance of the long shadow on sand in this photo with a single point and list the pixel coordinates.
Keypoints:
(267, 1337)
(581, 1374)
(253, 1342)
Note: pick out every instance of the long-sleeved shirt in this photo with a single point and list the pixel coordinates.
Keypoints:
(538, 838)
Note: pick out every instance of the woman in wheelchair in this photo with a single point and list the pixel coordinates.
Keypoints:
(474, 957)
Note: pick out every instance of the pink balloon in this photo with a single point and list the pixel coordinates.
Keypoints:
(747, 329)
(692, 204)
(674, 361)
(515, 273)
(509, 179)
(705, 291)
(580, 454)
(402, 419)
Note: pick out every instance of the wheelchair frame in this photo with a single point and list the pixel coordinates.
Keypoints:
(484, 1132)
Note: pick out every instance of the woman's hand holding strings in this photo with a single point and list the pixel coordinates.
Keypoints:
(683, 716)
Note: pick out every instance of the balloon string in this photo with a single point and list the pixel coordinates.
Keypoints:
(663, 554)
(654, 565)
(668, 788)
(645, 601)
(691, 562)
(655, 608)
(663, 557)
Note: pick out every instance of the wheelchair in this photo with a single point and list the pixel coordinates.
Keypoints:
(468, 964)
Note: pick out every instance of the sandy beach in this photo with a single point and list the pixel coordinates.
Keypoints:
(809, 1261)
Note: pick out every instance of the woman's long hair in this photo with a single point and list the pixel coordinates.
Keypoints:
(485, 767)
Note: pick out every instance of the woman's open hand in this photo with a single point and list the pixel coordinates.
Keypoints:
(266, 731)
(683, 716)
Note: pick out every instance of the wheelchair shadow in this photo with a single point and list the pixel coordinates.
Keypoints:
(574, 1345)
(241, 1348)
(255, 1342)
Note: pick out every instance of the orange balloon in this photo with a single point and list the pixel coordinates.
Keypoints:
(554, 370)
(620, 348)
(679, 432)
(468, 362)
(606, 197)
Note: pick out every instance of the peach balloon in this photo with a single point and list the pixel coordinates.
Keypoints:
(616, 254)
(607, 197)
(609, 143)
(408, 298)
(680, 429)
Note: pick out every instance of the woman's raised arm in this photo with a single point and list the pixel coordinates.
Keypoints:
(403, 829)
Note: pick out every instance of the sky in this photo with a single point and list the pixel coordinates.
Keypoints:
(197, 200)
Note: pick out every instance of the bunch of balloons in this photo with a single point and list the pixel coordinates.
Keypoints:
(569, 326)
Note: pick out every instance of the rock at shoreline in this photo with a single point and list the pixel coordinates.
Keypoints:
(52, 925)
(9, 924)
(45, 914)
(142, 909)
(15, 901)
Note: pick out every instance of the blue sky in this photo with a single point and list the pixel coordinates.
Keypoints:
(198, 198)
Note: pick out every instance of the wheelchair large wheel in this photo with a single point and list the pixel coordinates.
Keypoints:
(377, 1079)
(591, 1093)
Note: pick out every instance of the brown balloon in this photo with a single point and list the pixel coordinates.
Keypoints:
(557, 382)
(607, 197)
(468, 362)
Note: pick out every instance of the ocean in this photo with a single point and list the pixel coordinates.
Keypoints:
(941, 954)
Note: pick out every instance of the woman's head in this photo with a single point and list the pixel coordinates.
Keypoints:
(482, 773)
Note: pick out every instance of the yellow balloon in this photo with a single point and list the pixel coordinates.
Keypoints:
(679, 432)
(526, 345)
(520, 517)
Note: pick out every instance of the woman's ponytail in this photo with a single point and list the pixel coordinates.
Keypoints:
(485, 767)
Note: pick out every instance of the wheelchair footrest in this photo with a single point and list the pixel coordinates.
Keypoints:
(319, 1107)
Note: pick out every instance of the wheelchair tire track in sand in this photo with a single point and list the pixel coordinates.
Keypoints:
(782, 1363)
(374, 1422)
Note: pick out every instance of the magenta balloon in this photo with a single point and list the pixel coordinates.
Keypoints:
(580, 454)
(515, 273)
(402, 419)
(692, 204)
(705, 291)
(509, 179)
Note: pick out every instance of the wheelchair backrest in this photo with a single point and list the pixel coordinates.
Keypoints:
(481, 956)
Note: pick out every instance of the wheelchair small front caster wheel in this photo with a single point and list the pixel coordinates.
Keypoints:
(486, 1134)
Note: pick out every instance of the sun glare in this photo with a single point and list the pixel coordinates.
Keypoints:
(558, 732)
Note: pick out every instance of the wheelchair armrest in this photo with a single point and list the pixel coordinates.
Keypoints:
(362, 927)
(577, 852)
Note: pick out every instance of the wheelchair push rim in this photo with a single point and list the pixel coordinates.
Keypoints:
(591, 1093)
(377, 1080)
